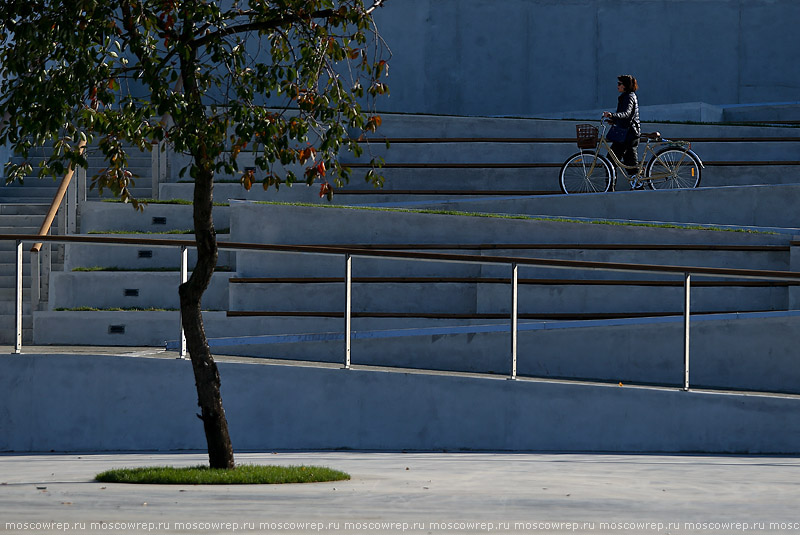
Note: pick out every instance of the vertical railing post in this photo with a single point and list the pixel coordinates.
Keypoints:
(18, 302)
(36, 281)
(514, 315)
(348, 304)
(155, 168)
(46, 264)
(184, 278)
(687, 287)
(81, 172)
(71, 207)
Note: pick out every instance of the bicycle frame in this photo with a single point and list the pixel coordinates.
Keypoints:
(650, 150)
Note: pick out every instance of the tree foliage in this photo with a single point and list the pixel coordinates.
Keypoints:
(285, 79)
(292, 81)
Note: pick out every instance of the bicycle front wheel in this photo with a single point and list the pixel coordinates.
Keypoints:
(585, 173)
(673, 168)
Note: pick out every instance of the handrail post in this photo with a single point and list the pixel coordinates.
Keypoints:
(71, 207)
(81, 201)
(348, 305)
(46, 263)
(155, 167)
(514, 317)
(18, 302)
(184, 278)
(687, 287)
(36, 281)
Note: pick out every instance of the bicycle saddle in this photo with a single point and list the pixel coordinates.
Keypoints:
(653, 136)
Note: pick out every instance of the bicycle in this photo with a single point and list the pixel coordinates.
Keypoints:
(673, 164)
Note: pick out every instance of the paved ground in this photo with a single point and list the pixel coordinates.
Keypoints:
(417, 493)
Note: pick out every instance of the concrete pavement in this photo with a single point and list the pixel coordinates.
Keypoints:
(417, 493)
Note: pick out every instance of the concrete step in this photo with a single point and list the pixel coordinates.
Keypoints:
(303, 265)
(22, 221)
(752, 206)
(126, 289)
(25, 228)
(116, 216)
(520, 180)
(8, 307)
(7, 208)
(9, 256)
(226, 191)
(501, 151)
(135, 258)
(469, 298)
(409, 125)
(44, 194)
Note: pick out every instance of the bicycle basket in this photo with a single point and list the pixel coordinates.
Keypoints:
(587, 136)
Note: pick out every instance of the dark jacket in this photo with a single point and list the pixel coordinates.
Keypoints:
(627, 115)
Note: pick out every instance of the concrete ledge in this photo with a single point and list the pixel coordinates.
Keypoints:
(759, 206)
(107, 289)
(129, 403)
(133, 257)
(107, 216)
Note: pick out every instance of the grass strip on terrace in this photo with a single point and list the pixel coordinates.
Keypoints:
(241, 475)
(114, 309)
(150, 269)
(555, 219)
(183, 202)
(225, 230)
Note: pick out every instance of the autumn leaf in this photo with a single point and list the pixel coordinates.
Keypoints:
(326, 190)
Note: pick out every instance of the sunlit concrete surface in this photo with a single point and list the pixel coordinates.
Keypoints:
(414, 493)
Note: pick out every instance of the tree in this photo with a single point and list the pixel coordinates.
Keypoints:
(286, 78)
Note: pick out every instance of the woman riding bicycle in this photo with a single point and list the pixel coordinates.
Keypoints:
(627, 116)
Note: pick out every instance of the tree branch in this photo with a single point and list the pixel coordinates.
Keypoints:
(274, 23)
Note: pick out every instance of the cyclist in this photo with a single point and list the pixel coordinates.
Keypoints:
(626, 116)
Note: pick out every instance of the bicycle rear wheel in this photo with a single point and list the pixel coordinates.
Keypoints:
(585, 173)
(673, 168)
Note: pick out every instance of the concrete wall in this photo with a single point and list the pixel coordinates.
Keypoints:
(85, 402)
(523, 57)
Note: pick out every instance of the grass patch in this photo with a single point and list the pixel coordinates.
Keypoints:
(225, 230)
(183, 202)
(246, 474)
(114, 309)
(525, 217)
(152, 269)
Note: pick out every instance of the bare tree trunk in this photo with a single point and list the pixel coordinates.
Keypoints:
(206, 375)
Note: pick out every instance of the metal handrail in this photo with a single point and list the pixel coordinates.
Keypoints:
(433, 257)
(349, 252)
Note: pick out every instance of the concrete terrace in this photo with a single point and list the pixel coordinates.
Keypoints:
(600, 359)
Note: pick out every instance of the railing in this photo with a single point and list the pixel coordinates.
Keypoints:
(68, 223)
(349, 253)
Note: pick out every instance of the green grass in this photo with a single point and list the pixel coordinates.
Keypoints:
(114, 309)
(525, 217)
(184, 202)
(225, 230)
(241, 475)
(152, 269)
